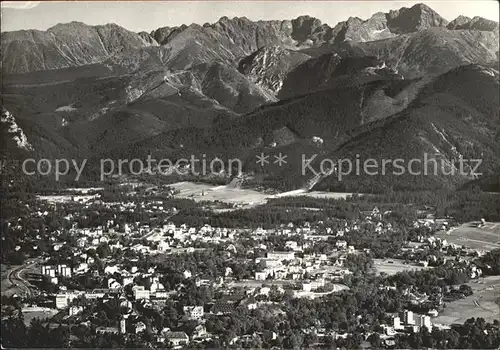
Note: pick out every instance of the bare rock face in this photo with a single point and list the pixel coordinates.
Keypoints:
(164, 34)
(269, 66)
(476, 23)
(13, 137)
(386, 25)
(430, 51)
(355, 29)
(374, 28)
(148, 38)
(304, 27)
(227, 41)
(418, 17)
(458, 22)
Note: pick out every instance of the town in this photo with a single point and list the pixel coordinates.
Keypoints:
(94, 270)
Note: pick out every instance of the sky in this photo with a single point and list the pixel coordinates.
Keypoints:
(147, 16)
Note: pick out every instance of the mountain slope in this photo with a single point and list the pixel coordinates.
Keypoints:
(430, 51)
(330, 70)
(444, 123)
(476, 23)
(225, 41)
(13, 137)
(64, 45)
(269, 66)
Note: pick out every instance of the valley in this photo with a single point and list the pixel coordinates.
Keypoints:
(197, 178)
(241, 197)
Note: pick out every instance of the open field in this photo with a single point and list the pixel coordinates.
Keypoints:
(484, 238)
(314, 295)
(206, 192)
(393, 267)
(248, 197)
(329, 195)
(483, 303)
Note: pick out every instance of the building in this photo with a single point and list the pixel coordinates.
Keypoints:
(163, 246)
(200, 331)
(111, 269)
(281, 256)
(74, 310)
(270, 263)
(176, 338)
(341, 244)
(64, 270)
(47, 270)
(128, 280)
(397, 323)
(82, 268)
(433, 313)
(193, 312)
(107, 330)
(260, 276)
(123, 326)
(94, 295)
(160, 294)
(61, 301)
(223, 308)
(141, 293)
(424, 321)
(408, 317)
(140, 327)
(319, 283)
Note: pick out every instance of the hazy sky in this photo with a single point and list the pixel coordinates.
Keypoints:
(139, 15)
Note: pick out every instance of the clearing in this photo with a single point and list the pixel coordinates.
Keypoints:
(241, 196)
(393, 266)
(473, 237)
(483, 303)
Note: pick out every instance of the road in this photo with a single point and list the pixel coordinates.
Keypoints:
(14, 276)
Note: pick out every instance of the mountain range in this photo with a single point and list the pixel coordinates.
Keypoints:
(397, 85)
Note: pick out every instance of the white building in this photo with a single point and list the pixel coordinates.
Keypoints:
(140, 327)
(408, 317)
(74, 310)
(193, 312)
(61, 301)
(176, 338)
(163, 246)
(48, 270)
(123, 326)
(111, 269)
(424, 321)
(64, 270)
(341, 244)
(397, 323)
(140, 293)
(260, 276)
(281, 255)
(291, 244)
